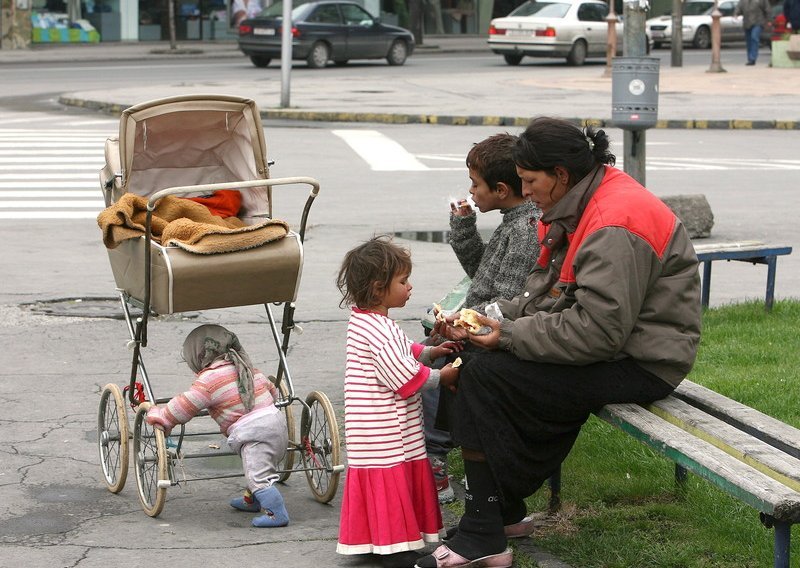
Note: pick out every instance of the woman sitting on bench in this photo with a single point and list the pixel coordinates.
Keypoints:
(610, 314)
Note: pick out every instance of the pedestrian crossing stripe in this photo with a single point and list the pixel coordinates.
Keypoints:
(62, 180)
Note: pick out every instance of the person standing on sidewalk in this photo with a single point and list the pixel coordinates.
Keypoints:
(791, 11)
(389, 507)
(755, 13)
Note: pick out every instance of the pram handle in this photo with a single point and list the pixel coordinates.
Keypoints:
(210, 187)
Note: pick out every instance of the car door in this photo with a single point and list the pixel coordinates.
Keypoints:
(592, 15)
(730, 26)
(325, 23)
(364, 36)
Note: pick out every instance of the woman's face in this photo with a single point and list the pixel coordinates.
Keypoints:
(544, 189)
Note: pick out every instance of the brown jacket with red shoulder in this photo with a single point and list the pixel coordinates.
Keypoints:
(616, 278)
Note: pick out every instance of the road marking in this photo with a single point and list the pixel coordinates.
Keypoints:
(381, 153)
(48, 214)
(34, 193)
(45, 204)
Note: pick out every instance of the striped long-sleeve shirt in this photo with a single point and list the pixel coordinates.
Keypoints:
(383, 413)
(215, 389)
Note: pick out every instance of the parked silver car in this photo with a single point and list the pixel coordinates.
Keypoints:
(696, 29)
(575, 29)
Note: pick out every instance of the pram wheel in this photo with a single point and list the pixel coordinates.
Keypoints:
(150, 463)
(112, 437)
(286, 465)
(320, 451)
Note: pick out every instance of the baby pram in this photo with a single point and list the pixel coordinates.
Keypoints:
(189, 146)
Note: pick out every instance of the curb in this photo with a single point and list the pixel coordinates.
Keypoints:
(115, 109)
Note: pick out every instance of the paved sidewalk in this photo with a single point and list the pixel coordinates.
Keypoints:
(690, 97)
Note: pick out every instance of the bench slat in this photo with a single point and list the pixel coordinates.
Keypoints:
(759, 425)
(743, 482)
(754, 452)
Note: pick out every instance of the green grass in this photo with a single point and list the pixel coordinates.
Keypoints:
(621, 504)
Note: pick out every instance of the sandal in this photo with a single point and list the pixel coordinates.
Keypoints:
(443, 557)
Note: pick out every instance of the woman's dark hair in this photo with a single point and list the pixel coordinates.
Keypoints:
(491, 159)
(550, 142)
(376, 261)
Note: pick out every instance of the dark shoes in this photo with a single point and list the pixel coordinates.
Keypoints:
(400, 559)
(750, 63)
(516, 530)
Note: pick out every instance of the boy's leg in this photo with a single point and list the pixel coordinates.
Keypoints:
(438, 443)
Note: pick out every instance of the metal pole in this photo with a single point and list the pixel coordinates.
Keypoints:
(716, 40)
(286, 53)
(676, 55)
(634, 45)
(611, 42)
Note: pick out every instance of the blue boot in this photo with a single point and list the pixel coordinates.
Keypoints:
(246, 503)
(275, 513)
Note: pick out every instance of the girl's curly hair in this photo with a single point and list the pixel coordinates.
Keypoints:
(368, 269)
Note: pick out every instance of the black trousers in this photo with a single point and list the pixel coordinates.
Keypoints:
(525, 416)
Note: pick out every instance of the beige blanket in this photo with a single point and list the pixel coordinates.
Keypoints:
(185, 224)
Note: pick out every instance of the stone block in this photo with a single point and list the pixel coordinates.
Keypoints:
(694, 211)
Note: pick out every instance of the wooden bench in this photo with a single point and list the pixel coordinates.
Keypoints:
(745, 251)
(751, 456)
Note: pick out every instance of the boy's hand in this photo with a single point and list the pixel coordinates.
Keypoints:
(447, 330)
(448, 377)
(460, 208)
(446, 348)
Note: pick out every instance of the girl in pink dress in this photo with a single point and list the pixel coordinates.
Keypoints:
(390, 507)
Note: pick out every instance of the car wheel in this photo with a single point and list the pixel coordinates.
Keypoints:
(318, 56)
(577, 55)
(512, 59)
(260, 61)
(702, 38)
(398, 52)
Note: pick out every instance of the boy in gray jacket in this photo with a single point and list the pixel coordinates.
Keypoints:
(498, 269)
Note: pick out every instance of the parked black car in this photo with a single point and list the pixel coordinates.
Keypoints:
(324, 31)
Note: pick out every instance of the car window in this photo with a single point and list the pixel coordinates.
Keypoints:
(591, 12)
(276, 11)
(356, 15)
(325, 14)
(697, 8)
(541, 9)
(727, 8)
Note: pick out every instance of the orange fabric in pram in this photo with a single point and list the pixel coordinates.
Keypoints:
(186, 224)
(223, 203)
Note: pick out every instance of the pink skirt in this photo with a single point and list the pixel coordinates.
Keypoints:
(388, 510)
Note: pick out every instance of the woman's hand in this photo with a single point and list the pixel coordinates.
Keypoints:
(488, 340)
(448, 377)
(445, 349)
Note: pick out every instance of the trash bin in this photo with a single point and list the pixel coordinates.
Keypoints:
(634, 92)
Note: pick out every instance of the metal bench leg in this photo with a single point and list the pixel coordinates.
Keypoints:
(680, 474)
(783, 536)
(772, 263)
(555, 492)
(705, 287)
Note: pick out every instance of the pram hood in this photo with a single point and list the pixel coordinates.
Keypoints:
(191, 140)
